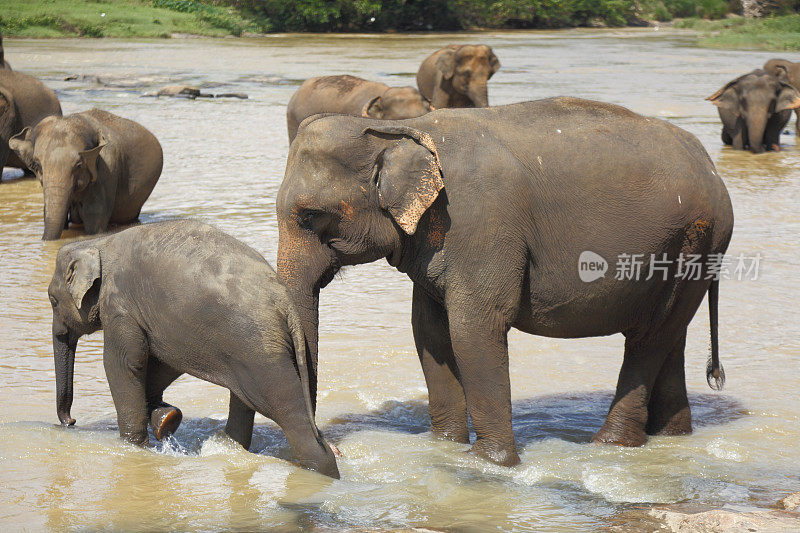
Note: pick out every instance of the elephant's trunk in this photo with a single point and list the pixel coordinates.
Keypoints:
(56, 206)
(302, 263)
(479, 94)
(755, 132)
(64, 345)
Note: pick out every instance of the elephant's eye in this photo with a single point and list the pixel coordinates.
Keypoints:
(53, 302)
(305, 218)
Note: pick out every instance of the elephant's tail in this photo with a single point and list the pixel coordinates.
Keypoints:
(299, 340)
(714, 369)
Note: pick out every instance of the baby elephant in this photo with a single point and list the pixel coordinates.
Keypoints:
(349, 95)
(780, 68)
(95, 168)
(183, 297)
(754, 108)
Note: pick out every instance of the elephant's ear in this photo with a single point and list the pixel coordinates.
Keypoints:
(446, 63)
(727, 98)
(409, 175)
(373, 108)
(788, 98)
(494, 63)
(23, 146)
(89, 158)
(83, 270)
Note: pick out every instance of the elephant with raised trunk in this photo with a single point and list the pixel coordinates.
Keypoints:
(782, 67)
(488, 212)
(183, 297)
(24, 101)
(95, 168)
(457, 75)
(754, 108)
(350, 95)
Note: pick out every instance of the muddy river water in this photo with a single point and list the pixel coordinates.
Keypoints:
(224, 161)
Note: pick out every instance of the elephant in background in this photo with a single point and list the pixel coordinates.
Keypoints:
(457, 76)
(754, 108)
(3, 63)
(95, 168)
(24, 101)
(488, 211)
(183, 297)
(349, 95)
(792, 73)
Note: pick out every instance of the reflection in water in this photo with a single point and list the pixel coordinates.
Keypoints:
(223, 163)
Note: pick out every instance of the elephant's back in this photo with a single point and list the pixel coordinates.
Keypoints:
(33, 99)
(334, 94)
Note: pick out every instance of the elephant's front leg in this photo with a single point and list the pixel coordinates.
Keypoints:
(125, 360)
(446, 404)
(481, 351)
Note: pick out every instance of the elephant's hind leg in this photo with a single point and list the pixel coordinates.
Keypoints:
(668, 411)
(627, 417)
(164, 418)
(240, 422)
(446, 403)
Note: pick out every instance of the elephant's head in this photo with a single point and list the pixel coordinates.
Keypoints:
(782, 67)
(755, 98)
(397, 103)
(74, 295)
(354, 190)
(63, 153)
(469, 68)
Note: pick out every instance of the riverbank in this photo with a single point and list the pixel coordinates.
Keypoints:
(772, 33)
(220, 18)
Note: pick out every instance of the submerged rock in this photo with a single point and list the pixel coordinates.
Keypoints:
(185, 91)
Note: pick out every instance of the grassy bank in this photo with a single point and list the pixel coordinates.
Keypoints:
(772, 33)
(119, 18)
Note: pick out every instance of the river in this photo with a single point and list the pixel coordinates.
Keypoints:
(224, 161)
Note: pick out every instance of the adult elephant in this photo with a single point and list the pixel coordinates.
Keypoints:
(24, 101)
(350, 95)
(457, 75)
(754, 108)
(95, 168)
(488, 211)
(780, 67)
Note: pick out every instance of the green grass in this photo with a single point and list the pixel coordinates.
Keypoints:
(123, 18)
(772, 33)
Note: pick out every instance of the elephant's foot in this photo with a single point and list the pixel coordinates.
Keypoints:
(627, 436)
(503, 455)
(679, 423)
(164, 420)
(450, 430)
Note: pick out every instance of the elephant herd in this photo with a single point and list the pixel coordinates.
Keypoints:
(488, 210)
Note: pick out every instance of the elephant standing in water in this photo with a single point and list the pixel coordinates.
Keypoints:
(349, 95)
(95, 168)
(457, 75)
(792, 73)
(24, 101)
(183, 297)
(488, 212)
(754, 108)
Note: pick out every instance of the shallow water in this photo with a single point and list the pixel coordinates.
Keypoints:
(224, 160)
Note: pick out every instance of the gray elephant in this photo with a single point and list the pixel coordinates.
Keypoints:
(754, 108)
(24, 101)
(489, 211)
(782, 67)
(3, 63)
(236, 327)
(349, 95)
(457, 75)
(95, 168)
